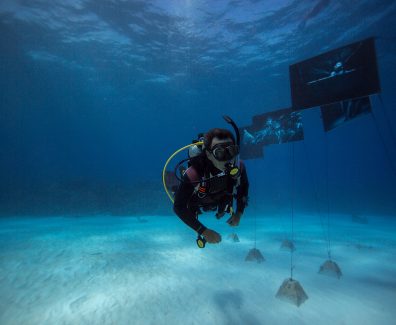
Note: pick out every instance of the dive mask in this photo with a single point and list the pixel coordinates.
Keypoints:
(225, 151)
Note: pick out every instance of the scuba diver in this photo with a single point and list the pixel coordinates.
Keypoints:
(214, 178)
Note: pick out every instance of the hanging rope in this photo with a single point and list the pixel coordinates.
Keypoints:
(383, 144)
(292, 212)
(255, 231)
(284, 222)
(315, 187)
(387, 119)
(327, 196)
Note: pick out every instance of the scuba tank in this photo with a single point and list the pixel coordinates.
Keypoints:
(196, 149)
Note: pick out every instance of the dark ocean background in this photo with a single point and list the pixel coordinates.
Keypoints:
(96, 95)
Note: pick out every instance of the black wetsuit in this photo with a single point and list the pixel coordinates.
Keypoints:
(188, 205)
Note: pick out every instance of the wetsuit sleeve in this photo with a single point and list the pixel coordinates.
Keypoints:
(242, 190)
(180, 206)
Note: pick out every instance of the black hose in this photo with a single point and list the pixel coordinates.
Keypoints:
(230, 121)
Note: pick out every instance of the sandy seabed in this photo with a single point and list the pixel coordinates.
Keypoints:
(148, 270)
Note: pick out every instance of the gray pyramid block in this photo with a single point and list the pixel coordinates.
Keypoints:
(292, 291)
(364, 247)
(330, 268)
(141, 220)
(359, 219)
(234, 238)
(255, 255)
(288, 245)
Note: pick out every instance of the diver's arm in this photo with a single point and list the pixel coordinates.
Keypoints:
(182, 196)
(242, 191)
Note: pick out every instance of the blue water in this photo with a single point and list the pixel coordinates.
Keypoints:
(96, 95)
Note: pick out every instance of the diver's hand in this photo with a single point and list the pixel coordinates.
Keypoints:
(234, 220)
(211, 236)
(220, 214)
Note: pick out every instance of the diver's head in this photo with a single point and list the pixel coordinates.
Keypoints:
(220, 147)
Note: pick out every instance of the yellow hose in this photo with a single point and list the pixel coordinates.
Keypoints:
(169, 159)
